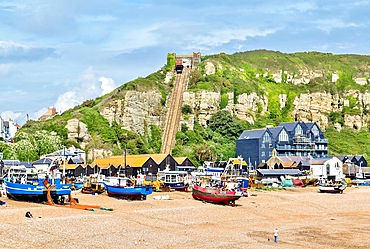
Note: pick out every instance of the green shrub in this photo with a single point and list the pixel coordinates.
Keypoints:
(186, 109)
(224, 100)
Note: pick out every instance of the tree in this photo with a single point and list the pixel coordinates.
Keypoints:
(25, 151)
(8, 150)
(46, 143)
(224, 123)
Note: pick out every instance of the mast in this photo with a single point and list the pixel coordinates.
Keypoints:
(125, 161)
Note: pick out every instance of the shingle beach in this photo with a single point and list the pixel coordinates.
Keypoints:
(304, 218)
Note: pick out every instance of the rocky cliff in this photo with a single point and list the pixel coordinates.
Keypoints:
(138, 109)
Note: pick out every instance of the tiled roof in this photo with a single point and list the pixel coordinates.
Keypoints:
(158, 158)
(76, 160)
(310, 124)
(70, 166)
(319, 161)
(288, 163)
(179, 159)
(44, 160)
(295, 158)
(289, 126)
(275, 130)
(131, 160)
(27, 164)
(267, 172)
(11, 162)
(257, 133)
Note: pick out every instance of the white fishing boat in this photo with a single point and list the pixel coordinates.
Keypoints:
(177, 180)
(330, 187)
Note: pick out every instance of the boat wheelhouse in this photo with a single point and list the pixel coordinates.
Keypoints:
(177, 180)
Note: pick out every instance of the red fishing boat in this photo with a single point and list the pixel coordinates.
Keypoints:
(213, 195)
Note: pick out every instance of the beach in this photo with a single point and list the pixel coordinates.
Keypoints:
(303, 216)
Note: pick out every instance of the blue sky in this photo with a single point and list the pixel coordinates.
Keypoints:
(60, 53)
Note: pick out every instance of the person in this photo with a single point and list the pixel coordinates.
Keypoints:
(276, 234)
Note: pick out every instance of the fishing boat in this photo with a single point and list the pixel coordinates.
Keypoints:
(77, 183)
(153, 181)
(176, 180)
(332, 188)
(329, 187)
(93, 184)
(127, 188)
(215, 195)
(31, 184)
(208, 169)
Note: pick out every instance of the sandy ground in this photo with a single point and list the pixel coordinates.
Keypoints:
(304, 218)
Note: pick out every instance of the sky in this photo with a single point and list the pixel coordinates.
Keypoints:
(60, 53)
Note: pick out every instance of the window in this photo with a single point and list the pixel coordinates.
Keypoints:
(298, 130)
(315, 131)
(263, 153)
(263, 146)
(328, 169)
(266, 138)
(283, 136)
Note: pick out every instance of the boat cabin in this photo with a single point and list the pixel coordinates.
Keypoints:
(119, 181)
(173, 176)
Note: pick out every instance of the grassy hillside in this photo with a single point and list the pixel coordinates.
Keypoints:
(244, 72)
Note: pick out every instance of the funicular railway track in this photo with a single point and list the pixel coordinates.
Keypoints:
(174, 112)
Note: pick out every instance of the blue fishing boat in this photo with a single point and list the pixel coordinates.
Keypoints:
(29, 184)
(77, 184)
(126, 188)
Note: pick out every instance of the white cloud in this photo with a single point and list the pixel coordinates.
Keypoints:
(89, 86)
(5, 69)
(218, 38)
(329, 24)
(136, 38)
(107, 85)
(15, 52)
(7, 115)
(90, 18)
(302, 7)
(38, 114)
(66, 101)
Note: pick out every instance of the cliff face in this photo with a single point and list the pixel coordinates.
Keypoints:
(136, 111)
(139, 109)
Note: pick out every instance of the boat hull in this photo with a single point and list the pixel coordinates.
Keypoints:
(332, 189)
(215, 196)
(137, 192)
(177, 186)
(35, 192)
(77, 185)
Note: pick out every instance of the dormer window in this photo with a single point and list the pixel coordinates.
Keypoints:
(266, 138)
(315, 131)
(283, 136)
(298, 130)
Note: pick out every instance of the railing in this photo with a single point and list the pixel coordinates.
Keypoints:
(295, 148)
(321, 140)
